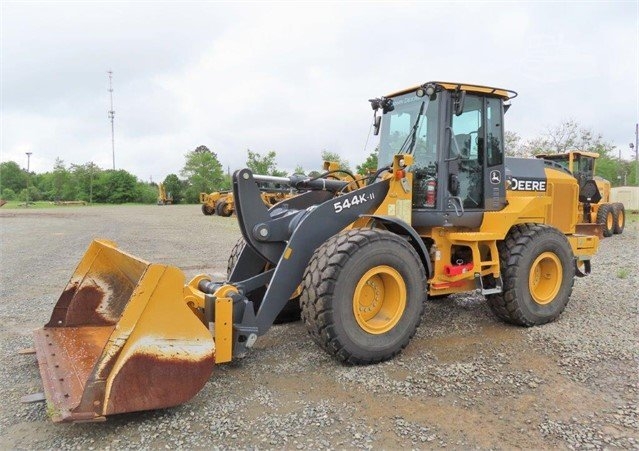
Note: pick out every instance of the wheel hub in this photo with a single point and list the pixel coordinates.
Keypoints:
(379, 300)
(546, 275)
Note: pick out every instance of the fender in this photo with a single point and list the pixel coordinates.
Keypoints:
(399, 227)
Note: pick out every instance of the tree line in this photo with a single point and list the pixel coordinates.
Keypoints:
(84, 182)
(203, 172)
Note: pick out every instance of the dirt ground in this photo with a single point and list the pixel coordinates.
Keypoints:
(465, 381)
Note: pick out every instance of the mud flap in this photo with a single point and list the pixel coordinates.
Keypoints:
(121, 338)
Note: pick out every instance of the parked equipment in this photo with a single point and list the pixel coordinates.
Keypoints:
(220, 202)
(444, 213)
(164, 198)
(595, 206)
(223, 204)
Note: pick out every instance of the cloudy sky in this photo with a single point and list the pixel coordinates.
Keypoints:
(293, 77)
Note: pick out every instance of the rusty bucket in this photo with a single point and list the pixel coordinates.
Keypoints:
(121, 338)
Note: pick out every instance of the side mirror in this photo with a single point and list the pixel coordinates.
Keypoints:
(453, 184)
(377, 121)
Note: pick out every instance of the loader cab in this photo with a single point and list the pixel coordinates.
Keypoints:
(456, 138)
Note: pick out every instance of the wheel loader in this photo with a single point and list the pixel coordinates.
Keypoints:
(596, 207)
(444, 213)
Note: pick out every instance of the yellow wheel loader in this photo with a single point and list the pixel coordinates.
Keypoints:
(595, 207)
(444, 213)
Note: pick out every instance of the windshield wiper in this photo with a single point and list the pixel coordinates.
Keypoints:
(413, 131)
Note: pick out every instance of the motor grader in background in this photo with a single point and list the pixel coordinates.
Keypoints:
(220, 202)
(444, 213)
(596, 206)
(223, 204)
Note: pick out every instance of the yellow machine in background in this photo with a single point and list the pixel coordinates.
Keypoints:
(610, 215)
(444, 213)
(218, 202)
(222, 203)
(163, 197)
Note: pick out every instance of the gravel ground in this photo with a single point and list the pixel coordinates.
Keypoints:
(465, 381)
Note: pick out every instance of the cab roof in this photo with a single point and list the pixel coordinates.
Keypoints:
(505, 94)
(565, 155)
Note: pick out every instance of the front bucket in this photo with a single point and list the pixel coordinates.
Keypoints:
(121, 338)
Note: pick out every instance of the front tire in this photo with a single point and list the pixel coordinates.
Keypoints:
(538, 274)
(363, 295)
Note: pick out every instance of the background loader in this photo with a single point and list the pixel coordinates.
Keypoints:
(357, 257)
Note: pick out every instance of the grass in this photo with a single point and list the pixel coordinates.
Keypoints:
(622, 273)
(632, 216)
(15, 204)
(19, 205)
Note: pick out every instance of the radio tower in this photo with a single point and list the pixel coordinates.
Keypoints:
(111, 116)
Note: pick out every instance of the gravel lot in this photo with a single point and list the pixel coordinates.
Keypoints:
(465, 381)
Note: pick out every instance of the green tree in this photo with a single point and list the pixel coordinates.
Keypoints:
(175, 186)
(8, 194)
(203, 172)
(115, 187)
(332, 156)
(146, 193)
(264, 165)
(369, 164)
(84, 176)
(34, 194)
(299, 169)
(12, 176)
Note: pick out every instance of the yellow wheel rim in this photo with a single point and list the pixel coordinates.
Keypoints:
(546, 275)
(379, 300)
(610, 221)
(620, 219)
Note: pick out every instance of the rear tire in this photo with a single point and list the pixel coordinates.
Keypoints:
(363, 295)
(620, 217)
(606, 218)
(291, 311)
(207, 210)
(538, 273)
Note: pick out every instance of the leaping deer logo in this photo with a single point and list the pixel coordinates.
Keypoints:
(495, 177)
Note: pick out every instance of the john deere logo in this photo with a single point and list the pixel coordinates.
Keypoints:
(527, 185)
(495, 177)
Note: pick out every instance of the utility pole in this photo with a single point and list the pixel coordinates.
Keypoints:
(111, 116)
(91, 182)
(28, 168)
(637, 154)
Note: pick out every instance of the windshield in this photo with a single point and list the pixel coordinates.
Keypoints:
(410, 128)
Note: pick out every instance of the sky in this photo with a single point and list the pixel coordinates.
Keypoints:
(293, 77)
